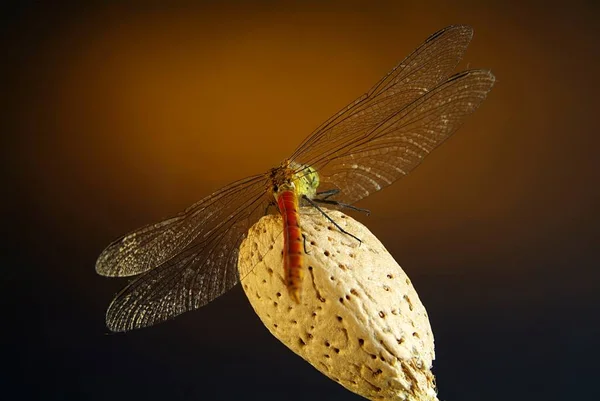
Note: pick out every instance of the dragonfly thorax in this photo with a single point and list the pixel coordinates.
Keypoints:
(292, 176)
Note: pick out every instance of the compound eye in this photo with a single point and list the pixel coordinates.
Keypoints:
(275, 188)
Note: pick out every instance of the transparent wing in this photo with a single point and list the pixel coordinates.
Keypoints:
(396, 145)
(430, 64)
(194, 257)
(154, 244)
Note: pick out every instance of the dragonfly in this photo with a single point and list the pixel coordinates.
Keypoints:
(186, 261)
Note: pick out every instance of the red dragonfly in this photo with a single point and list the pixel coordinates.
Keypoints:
(188, 260)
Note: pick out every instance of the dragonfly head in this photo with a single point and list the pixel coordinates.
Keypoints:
(292, 176)
(305, 179)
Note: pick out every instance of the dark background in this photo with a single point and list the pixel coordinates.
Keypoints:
(117, 116)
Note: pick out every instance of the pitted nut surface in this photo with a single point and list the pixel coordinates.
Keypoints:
(360, 321)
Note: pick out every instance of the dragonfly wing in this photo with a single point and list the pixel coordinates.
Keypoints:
(398, 144)
(204, 269)
(155, 244)
(430, 64)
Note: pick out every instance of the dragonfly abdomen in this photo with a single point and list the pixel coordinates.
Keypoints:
(292, 242)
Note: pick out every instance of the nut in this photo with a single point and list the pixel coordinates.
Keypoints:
(360, 322)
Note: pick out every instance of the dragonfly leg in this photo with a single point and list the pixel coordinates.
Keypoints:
(305, 250)
(326, 194)
(344, 205)
(329, 218)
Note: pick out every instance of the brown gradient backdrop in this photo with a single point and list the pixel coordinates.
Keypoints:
(119, 116)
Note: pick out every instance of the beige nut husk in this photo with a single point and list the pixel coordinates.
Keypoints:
(360, 322)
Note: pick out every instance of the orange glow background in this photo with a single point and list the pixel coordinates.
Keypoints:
(120, 116)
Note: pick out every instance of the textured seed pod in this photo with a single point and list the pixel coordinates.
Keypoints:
(360, 321)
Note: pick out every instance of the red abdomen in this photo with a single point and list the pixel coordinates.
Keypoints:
(292, 242)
